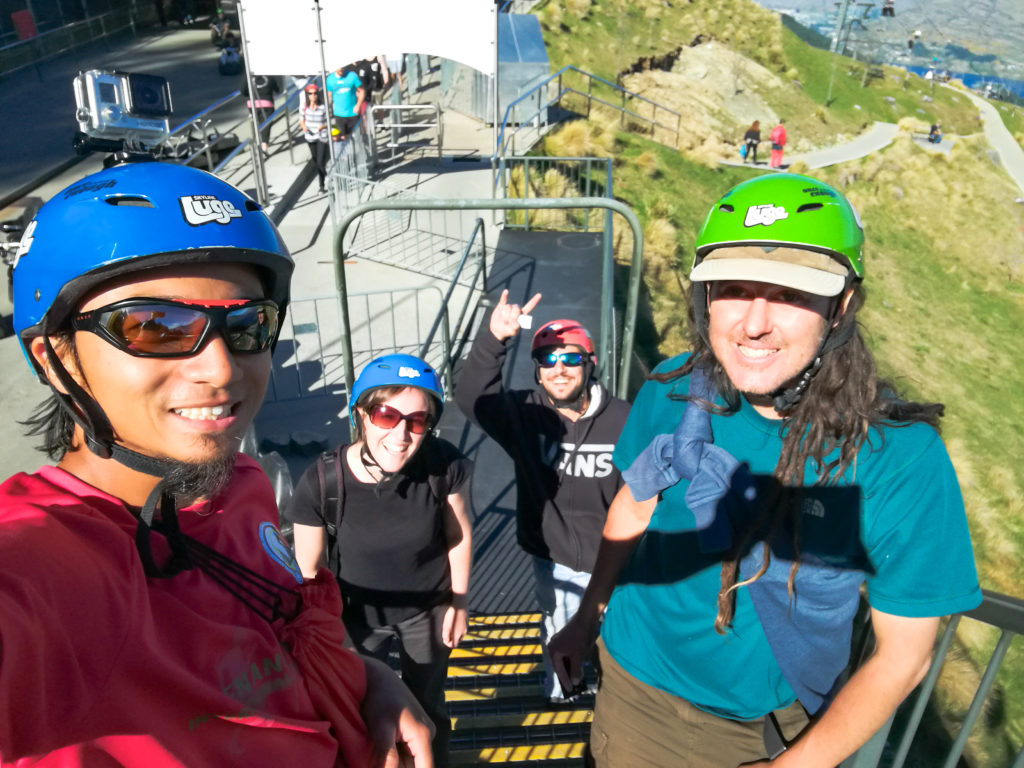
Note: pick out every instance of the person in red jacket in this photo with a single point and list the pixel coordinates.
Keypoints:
(151, 613)
(778, 139)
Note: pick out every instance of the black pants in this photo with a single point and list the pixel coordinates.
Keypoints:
(424, 663)
(319, 152)
(751, 151)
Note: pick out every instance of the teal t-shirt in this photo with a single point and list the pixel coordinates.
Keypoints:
(897, 514)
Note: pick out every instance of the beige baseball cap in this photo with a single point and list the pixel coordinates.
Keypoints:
(798, 268)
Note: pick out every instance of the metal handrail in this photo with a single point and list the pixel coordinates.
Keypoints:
(437, 125)
(997, 610)
(487, 204)
(204, 112)
(40, 39)
(442, 316)
(499, 149)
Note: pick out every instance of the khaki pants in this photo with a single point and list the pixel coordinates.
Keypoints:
(637, 726)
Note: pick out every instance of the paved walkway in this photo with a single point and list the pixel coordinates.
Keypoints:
(1011, 155)
(875, 138)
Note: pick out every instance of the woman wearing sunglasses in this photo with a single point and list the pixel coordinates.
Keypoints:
(388, 511)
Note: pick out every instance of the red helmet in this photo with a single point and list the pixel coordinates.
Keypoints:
(312, 88)
(562, 333)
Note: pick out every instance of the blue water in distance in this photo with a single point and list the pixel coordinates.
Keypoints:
(972, 79)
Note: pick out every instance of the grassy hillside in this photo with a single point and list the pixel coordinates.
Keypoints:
(606, 37)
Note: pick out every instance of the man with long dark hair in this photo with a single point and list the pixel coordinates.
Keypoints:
(769, 474)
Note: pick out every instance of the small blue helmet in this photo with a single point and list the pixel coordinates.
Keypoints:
(132, 217)
(396, 371)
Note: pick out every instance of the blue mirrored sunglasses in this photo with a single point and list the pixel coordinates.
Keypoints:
(568, 359)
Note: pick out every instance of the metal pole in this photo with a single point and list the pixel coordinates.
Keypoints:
(262, 197)
(328, 110)
(633, 292)
(840, 23)
(494, 126)
(607, 310)
(288, 129)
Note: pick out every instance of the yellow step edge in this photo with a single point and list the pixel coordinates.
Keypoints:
(524, 720)
(490, 694)
(491, 651)
(511, 618)
(467, 670)
(520, 633)
(519, 754)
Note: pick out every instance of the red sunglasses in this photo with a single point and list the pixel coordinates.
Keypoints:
(386, 417)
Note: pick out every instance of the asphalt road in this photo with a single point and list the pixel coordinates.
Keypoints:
(37, 120)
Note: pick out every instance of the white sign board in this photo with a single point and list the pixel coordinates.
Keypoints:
(282, 39)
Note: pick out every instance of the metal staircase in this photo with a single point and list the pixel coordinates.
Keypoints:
(497, 704)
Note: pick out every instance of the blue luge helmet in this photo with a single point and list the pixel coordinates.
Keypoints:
(133, 217)
(396, 371)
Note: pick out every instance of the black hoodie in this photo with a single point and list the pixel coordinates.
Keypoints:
(565, 478)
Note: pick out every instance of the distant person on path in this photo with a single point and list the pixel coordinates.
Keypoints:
(935, 133)
(769, 474)
(751, 139)
(346, 100)
(264, 89)
(560, 437)
(778, 139)
(313, 122)
(389, 513)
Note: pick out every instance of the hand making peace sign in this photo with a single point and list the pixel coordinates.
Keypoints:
(505, 316)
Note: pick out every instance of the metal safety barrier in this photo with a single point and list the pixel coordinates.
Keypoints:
(619, 384)
(529, 115)
(1002, 612)
(387, 118)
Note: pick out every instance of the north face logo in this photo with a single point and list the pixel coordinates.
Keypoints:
(764, 214)
(202, 209)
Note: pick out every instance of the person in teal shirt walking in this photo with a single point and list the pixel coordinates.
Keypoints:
(769, 474)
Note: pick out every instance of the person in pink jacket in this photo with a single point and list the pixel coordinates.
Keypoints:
(778, 139)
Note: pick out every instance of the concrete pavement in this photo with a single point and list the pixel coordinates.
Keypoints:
(877, 137)
(1011, 155)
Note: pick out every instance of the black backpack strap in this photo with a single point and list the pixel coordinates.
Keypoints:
(332, 502)
(437, 471)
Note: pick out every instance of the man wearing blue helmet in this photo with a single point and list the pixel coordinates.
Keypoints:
(150, 611)
(389, 513)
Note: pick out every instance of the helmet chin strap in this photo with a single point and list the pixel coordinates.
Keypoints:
(99, 437)
(785, 399)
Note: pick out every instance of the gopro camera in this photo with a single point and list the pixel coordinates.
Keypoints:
(116, 110)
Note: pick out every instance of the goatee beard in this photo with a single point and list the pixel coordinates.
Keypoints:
(190, 482)
(575, 401)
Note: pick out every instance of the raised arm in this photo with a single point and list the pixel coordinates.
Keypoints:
(479, 392)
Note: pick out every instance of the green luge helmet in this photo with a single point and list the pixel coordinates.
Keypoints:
(785, 210)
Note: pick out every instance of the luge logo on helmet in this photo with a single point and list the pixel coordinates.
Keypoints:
(408, 373)
(202, 209)
(764, 214)
(26, 242)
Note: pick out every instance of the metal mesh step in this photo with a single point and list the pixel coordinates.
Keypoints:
(496, 699)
